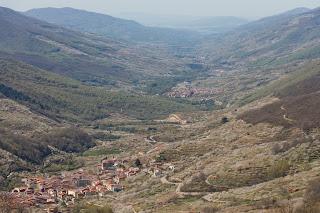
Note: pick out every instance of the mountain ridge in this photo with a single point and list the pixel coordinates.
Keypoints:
(279, 39)
(92, 59)
(109, 26)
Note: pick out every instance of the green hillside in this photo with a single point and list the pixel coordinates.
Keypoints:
(63, 98)
(89, 58)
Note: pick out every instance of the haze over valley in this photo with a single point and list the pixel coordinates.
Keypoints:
(191, 112)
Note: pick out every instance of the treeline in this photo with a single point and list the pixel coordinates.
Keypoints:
(25, 148)
(13, 94)
(69, 140)
(35, 149)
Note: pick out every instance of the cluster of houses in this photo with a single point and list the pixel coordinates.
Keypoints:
(71, 186)
(158, 169)
(68, 187)
(188, 91)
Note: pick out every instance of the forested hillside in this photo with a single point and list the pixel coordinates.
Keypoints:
(92, 59)
(63, 98)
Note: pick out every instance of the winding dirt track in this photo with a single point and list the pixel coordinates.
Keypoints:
(285, 117)
(151, 139)
(165, 180)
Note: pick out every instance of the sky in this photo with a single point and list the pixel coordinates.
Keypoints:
(240, 8)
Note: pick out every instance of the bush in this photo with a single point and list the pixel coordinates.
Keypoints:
(209, 209)
(67, 164)
(224, 120)
(312, 194)
(7, 204)
(91, 209)
(313, 208)
(96, 209)
(100, 152)
(137, 163)
(277, 148)
(311, 200)
(279, 169)
(161, 158)
(105, 137)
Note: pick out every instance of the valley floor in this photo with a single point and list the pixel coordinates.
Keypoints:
(228, 166)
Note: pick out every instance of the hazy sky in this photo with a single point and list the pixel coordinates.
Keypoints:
(242, 8)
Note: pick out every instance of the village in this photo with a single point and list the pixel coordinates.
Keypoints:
(185, 90)
(69, 187)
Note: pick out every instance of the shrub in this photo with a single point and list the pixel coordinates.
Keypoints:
(276, 149)
(209, 209)
(311, 198)
(67, 164)
(224, 120)
(161, 158)
(96, 209)
(279, 169)
(312, 194)
(91, 209)
(100, 152)
(105, 137)
(7, 204)
(288, 208)
(137, 163)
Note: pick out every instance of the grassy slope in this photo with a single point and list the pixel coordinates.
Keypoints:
(299, 100)
(281, 39)
(60, 98)
(301, 74)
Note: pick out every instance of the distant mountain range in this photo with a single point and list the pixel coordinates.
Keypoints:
(109, 26)
(203, 25)
(91, 59)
